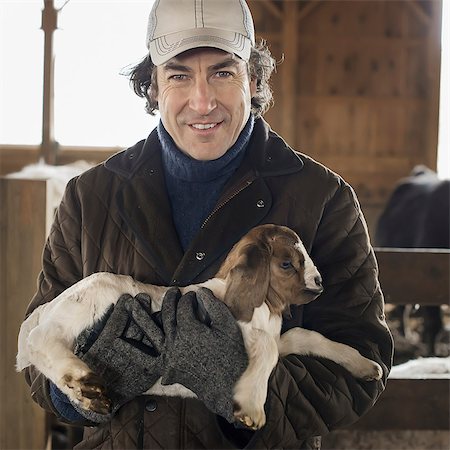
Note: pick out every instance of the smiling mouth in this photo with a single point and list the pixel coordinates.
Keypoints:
(204, 126)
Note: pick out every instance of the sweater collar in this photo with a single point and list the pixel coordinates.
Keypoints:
(181, 166)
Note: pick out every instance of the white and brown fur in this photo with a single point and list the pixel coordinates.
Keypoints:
(265, 272)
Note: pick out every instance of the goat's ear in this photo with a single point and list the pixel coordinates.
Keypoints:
(248, 281)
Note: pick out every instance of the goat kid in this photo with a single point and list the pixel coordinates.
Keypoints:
(265, 272)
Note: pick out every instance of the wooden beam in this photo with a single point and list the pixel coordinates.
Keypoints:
(409, 404)
(414, 276)
(69, 154)
(419, 12)
(308, 8)
(272, 8)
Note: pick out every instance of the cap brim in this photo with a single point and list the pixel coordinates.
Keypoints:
(166, 47)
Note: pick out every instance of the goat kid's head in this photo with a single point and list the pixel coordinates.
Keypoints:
(269, 264)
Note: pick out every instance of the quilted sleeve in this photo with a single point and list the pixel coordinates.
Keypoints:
(61, 265)
(310, 396)
(61, 268)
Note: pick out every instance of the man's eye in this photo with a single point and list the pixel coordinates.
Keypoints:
(178, 77)
(223, 74)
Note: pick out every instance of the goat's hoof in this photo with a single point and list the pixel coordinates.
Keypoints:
(375, 372)
(367, 370)
(245, 420)
(254, 420)
(249, 422)
(89, 392)
(99, 405)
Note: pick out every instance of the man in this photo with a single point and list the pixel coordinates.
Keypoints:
(167, 211)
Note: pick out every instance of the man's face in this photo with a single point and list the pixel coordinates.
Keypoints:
(204, 98)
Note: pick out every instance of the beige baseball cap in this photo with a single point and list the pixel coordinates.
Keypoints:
(175, 26)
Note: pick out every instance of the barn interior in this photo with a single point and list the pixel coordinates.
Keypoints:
(357, 88)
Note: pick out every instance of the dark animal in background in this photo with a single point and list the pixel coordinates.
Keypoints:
(417, 215)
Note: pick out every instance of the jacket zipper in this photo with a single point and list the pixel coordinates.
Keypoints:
(223, 203)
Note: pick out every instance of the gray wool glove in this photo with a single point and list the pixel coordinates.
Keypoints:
(126, 356)
(204, 348)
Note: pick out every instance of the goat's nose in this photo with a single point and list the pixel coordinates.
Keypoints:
(318, 281)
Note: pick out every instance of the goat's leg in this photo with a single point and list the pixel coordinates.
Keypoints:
(71, 375)
(432, 325)
(47, 336)
(250, 392)
(307, 342)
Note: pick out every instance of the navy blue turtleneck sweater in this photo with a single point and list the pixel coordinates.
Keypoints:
(194, 187)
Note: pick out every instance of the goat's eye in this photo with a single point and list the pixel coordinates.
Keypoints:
(286, 265)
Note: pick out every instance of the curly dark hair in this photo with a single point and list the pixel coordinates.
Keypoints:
(260, 67)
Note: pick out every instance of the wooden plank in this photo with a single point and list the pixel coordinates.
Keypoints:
(14, 157)
(409, 404)
(307, 9)
(69, 154)
(324, 122)
(23, 224)
(410, 276)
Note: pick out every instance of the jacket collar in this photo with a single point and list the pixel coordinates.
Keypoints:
(127, 162)
(270, 154)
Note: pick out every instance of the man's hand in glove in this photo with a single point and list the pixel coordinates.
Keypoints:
(204, 348)
(126, 356)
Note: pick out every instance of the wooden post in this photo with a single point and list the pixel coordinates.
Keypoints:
(49, 25)
(25, 217)
(433, 74)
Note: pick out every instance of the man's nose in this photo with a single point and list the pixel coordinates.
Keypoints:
(202, 99)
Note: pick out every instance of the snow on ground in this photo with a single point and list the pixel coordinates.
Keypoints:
(423, 368)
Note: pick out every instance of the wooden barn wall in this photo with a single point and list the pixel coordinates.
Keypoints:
(358, 89)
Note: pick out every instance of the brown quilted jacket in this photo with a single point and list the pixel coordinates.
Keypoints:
(116, 217)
